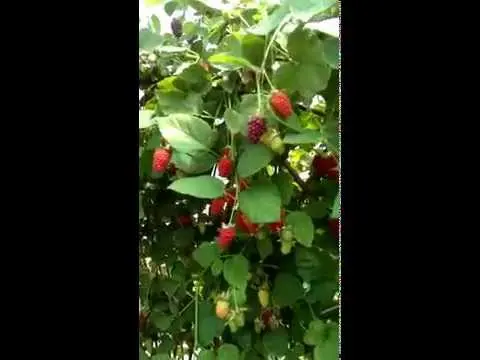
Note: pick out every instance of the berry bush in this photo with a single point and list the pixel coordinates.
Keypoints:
(239, 181)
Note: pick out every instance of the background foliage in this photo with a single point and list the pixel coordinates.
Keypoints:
(200, 86)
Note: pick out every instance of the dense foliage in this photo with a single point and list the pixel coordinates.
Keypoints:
(239, 181)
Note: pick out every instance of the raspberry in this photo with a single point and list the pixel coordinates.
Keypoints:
(225, 237)
(161, 159)
(256, 128)
(216, 207)
(332, 174)
(245, 225)
(225, 166)
(280, 103)
(323, 164)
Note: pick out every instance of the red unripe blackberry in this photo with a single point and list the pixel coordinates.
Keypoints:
(225, 237)
(161, 159)
(256, 128)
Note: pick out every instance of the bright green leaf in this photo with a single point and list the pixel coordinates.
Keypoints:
(235, 271)
(148, 40)
(206, 355)
(302, 227)
(186, 133)
(193, 162)
(304, 78)
(230, 62)
(287, 289)
(254, 158)
(305, 47)
(261, 203)
(327, 351)
(316, 333)
(149, 3)
(206, 254)
(145, 119)
(306, 137)
(155, 24)
(228, 352)
(271, 21)
(252, 48)
(276, 342)
(264, 247)
(203, 187)
(305, 9)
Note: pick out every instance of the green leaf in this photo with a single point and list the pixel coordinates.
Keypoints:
(287, 289)
(331, 52)
(155, 24)
(206, 253)
(171, 49)
(302, 227)
(234, 121)
(208, 328)
(228, 352)
(305, 47)
(174, 101)
(162, 356)
(228, 61)
(217, 266)
(253, 159)
(316, 333)
(206, 355)
(305, 9)
(145, 119)
(186, 133)
(261, 203)
(313, 264)
(194, 78)
(252, 48)
(170, 7)
(336, 207)
(329, 26)
(306, 137)
(276, 342)
(327, 350)
(322, 292)
(235, 271)
(148, 40)
(161, 320)
(284, 182)
(238, 296)
(264, 247)
(317, 209)
(305, 78)
(271, 21)
(193, 162)
(203, 187)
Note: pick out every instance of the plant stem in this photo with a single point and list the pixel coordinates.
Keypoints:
(295, 176)
(326, 311)
(268, 80)
(272, 39)
(195, 340)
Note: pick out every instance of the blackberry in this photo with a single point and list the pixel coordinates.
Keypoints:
(177, 27)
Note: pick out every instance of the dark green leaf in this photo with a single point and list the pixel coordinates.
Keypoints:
(261, 203)
(252, 48)
(217, 266)
(317, 209)
(271, 21)
(331, 52)
(302, 227)
(206, 254)
(322, 292)
(316, 333)
(235, 271)
(314, 264)
(305, 47)
(276, 342)
(287, 289)
(208, 328)
(264, 247)
(307, 79)
(170, 7)
(254, 158)
(161, 321)
(327, 350)
(284, 182)
(204, 187)
(228, 352)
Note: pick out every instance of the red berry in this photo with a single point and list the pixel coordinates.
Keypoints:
(281, 105)
(332, 174)
(225, 237)
(256, 128)
(225, 166)
(184, 220)
(322, 164)
(216, 207)
(334, 226)
(267, 316)
(161, 159)
(244, 224)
